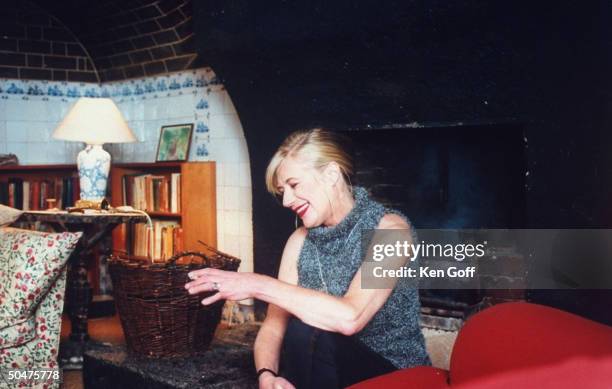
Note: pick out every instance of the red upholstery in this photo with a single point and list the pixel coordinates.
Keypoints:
(518, 345)
(584, 373)
(513, 336)
(420, 377)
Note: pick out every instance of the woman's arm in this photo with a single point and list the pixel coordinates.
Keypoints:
(347, 314)
(270, 336)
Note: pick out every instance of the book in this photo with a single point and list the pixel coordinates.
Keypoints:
(156, 195)
(76, 190)
(17, 192)
(162, 244)
(59, 192)
(34, 195)
(164, 203)
(67, 198)
(44, 193)
(11, 194)
(4, 193)
(178, 241)
(26, 195)
(174, 192)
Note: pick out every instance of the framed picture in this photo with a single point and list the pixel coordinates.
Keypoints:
(174, 142)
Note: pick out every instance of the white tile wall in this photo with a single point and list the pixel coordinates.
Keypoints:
(39, 131)
(17, 131)
(20, 149)
(245, 199)
(37, 152)
(233, 127)
(244, 175)
(230, 194)
(232, 175)
(216, 123)
(228, 104)
(2, 131)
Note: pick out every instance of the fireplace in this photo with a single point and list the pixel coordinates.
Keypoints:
(456, 176)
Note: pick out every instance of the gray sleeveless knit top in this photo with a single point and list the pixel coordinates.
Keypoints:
(333, 253)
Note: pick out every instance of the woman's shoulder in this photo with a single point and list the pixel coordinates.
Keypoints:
(297, 237)
(393, 221)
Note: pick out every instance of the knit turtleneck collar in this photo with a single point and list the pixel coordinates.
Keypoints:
(343, 229)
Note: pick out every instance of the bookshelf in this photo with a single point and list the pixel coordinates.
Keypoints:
(31, 185)
(148, 186)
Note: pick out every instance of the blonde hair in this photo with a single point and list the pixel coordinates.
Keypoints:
(317, 146)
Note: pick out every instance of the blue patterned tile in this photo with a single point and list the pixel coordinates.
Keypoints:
(202, 104)
(14, 89)
(91, 92)
(73, 92)
(174, 85)
(54, 90)
(35, 90)
(188, 83)
(201, 128)
(201, 82)
(202, 150)
(139, 90)
(161, 85)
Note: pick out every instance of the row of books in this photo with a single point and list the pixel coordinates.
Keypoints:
(32, 195)
(159, 243)
(153, 193)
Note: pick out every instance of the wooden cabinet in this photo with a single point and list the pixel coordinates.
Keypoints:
(198, 203)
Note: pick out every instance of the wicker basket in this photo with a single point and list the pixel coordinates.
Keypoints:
(158, 316)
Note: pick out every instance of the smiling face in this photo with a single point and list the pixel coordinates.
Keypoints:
(304, 191)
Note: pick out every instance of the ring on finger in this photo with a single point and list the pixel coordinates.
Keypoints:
(216, 286)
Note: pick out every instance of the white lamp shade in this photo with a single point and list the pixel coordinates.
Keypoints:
(94, 121)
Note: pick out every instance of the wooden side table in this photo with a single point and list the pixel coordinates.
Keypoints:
(78, 292)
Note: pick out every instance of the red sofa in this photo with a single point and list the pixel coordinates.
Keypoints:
(517, 345)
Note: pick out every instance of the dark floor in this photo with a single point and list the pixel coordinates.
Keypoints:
(230, 342)
(106, 329)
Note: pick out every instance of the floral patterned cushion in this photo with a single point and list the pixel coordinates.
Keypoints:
(18, 333)
(40, 351)
(32, 286)
(30, 262)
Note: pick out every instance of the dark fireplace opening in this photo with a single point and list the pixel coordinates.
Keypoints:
(447, 177)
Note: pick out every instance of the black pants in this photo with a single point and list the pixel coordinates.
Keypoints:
(317, 359)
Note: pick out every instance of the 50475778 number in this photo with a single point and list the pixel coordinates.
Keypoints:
(14, 376)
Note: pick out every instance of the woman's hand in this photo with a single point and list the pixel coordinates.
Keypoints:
(268, 381)
(228, 285)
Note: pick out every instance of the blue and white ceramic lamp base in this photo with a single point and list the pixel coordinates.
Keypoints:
(94, 165)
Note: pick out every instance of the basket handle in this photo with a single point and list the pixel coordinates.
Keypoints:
(214, 250)
(172, 260)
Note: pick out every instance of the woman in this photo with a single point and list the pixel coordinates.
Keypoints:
(332, 332)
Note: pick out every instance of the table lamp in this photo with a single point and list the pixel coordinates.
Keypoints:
(94, 121)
